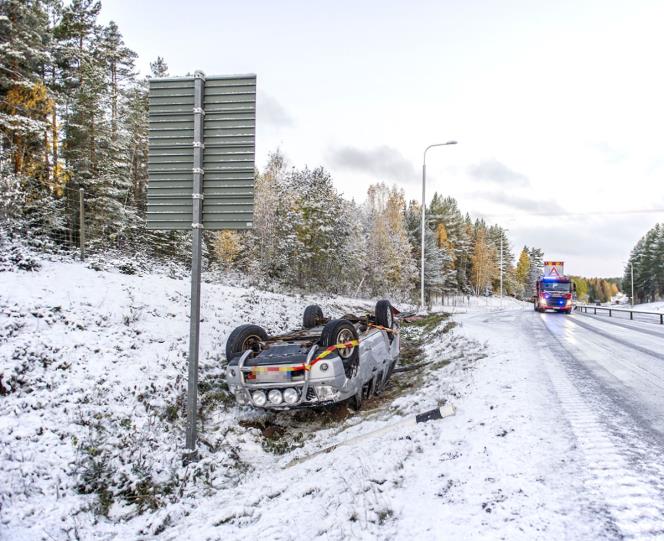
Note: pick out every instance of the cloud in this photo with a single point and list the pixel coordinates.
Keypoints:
(517, 202)
(271, 112)
(610, 154)
(497, 172)
(383, 161)
(591, 246)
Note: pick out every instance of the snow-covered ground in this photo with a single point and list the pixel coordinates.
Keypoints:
(651, 306)
(93, 368)
(93, 374)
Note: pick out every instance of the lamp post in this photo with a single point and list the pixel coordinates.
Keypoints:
(501, 270)
(424, 182)
(631, 266)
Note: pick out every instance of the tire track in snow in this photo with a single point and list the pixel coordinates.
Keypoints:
(631, 491)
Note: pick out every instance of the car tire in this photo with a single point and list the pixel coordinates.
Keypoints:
(243, 338)
(338, 331)
(313, 316)
(384, 315)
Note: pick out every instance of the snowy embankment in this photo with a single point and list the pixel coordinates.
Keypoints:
(93, 370)
(650, 306)
(93, 375)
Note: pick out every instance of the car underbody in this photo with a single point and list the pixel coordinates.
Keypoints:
(328, 361)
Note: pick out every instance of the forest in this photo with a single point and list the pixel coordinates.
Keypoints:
(74, 116)
(646, 261)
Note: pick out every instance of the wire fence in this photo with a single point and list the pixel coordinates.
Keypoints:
(57, 222)
(53, 224)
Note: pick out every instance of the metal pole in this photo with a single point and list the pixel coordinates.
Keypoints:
(632, 267)
(501, 268)
(81, 223)
(196, 255)
(424, 181)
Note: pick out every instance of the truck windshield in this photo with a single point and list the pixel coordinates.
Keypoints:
(563, 287)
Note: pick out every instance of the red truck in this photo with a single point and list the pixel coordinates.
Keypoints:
(554, 290)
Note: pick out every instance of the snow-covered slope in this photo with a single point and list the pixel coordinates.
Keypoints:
(93, 374)
(651, 306)
(93, 368)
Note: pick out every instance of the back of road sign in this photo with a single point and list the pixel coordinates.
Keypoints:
(229, 141)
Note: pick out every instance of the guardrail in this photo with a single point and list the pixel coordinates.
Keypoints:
(583, 308)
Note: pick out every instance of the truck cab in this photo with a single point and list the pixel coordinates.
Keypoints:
(554, 290)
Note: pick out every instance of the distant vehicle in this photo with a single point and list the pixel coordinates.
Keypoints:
(328, 361)
(554, 290)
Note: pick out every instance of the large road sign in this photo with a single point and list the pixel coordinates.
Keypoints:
(227, 141)
(201, 175)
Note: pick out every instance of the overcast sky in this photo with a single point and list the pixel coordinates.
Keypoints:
(558, 107)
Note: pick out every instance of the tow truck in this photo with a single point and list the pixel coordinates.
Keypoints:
(553, 290)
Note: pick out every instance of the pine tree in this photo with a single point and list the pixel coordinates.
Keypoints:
(445, 212)
(523, 274)
(389, 264)
(159, 68)
(25, 103)
(498, 237)
(536, 257)
(483, 261)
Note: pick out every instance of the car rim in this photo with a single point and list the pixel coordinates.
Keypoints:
(250, 342)
(345, 335)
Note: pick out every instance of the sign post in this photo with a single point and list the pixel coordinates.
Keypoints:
(200, 128)
(196, 256)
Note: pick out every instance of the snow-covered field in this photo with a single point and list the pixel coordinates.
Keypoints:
(650, 306)
(93, 366)
(93, 374)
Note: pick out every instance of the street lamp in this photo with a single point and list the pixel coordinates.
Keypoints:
(424, 182)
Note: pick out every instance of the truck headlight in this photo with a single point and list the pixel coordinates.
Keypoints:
(259, 398)
(275, 397)
(290, 396)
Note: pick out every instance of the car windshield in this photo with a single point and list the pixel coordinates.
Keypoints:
(564, 287)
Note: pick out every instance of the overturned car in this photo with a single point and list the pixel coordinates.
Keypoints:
(328, 361)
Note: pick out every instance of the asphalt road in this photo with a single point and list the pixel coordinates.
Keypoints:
(608, 376)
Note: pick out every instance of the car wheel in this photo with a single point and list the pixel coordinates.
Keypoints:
(243, 338)
(339, 331)
(313, 316)
(384, 315)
